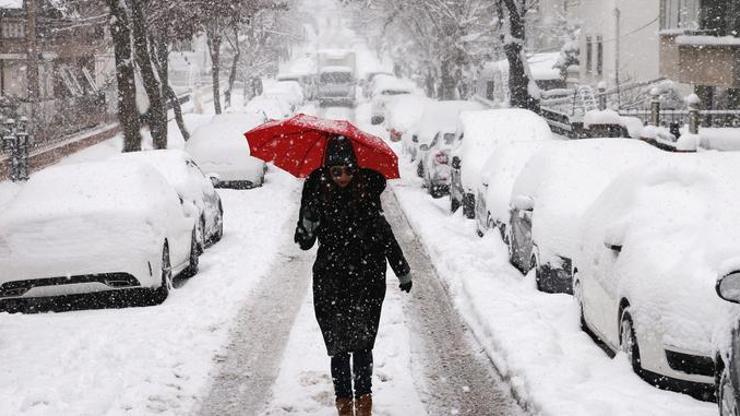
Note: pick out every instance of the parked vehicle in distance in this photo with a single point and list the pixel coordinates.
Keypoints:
(288, 91)
(437, 116)
(651, 250)
(336, 86)
(550, 195)
(402, 113)
(478, 134)
(384, 89)
(269, 107)
(306, 80)
(727, 347)
(200, 199)
(222, 152)
(435, 162)
(94, 227)
(498, 175)
(369, 78)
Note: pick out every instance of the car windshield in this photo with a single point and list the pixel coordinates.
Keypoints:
(394, 92)
(336, 77)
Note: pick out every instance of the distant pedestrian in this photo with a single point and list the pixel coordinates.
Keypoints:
(340, 207)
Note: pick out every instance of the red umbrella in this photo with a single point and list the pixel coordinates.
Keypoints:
(297, 145)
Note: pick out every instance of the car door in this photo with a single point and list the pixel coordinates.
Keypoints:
(601, 296)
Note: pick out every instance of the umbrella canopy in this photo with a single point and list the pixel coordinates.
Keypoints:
(297, 145)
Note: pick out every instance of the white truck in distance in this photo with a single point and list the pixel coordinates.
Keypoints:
(337, 77)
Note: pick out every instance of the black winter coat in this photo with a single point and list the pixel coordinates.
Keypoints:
(354, 242)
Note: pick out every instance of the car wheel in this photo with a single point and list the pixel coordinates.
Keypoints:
(163, 291)
(628, 340)
(420, 170)
(454, 203)
(468, 204)
(533, 265)
(578, 297)
(726, 398)
(202, 235)
(219, 224)
(194, 262)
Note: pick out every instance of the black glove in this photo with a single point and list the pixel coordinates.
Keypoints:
(406, 287)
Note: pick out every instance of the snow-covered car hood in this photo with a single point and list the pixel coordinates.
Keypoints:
(676, 220)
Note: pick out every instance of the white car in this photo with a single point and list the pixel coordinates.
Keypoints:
(478, 134)
(269, 107)
(652, 248)
(402, 113)
(200, 199)
(498, 175)
(553, 190)
(383, 90)
(222, 152)
(437, 116)
(94, 227)
(289, 91)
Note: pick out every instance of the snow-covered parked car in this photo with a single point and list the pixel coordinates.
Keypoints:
(269, 107)
(200, 199)
(402, 113)
(94, 227)
(478, 134)
(383, 90)
(290, 92)
(438, 116)
(307, 81)
(550, 195)
(498, 175)
(222, 152)
(652, 248)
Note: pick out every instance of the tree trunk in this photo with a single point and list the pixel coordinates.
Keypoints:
(518, 80)
(448, 87)
(128, 114)
(161, 62)
(234, 65)
(214, 47)
(157, 113)
(429, 83)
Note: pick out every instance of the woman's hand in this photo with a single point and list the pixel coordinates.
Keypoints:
(406, 287)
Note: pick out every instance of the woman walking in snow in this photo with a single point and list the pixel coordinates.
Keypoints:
(341, 207)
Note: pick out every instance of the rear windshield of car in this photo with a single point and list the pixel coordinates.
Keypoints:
(394, 92)
(449, 138)
(336, 77)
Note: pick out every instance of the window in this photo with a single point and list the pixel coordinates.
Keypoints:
(589, 55)
(679, 14)
(599, 55)
(13, 30)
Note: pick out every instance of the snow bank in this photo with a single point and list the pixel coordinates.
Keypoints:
(403, 111)
(441, 115)
(595, 117)
(720, 138)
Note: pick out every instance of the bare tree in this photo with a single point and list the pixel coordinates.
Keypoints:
(523, 90)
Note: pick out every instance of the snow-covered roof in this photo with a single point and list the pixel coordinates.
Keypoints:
(403, 111)
(222, 140)
(11, 4)
(541, 66)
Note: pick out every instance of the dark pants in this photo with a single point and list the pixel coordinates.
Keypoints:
(362, 367)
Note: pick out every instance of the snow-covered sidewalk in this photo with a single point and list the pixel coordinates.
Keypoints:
(533, 338)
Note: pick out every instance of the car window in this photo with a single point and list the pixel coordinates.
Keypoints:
(393, 92)
(336, 77)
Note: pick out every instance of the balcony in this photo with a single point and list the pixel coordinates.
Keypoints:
(700, 59)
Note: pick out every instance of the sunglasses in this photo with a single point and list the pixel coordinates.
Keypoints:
(338, 171)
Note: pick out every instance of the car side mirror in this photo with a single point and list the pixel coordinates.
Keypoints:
(415, 138)
(728, 287)
(456, 162)
(613, 247)
(523, 203)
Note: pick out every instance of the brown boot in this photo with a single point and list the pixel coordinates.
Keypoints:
(364, 405)
(344, 406)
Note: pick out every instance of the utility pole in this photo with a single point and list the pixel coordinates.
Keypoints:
(32, 55)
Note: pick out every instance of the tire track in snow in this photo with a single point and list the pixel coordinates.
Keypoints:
(252, 359)
(457, 376)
